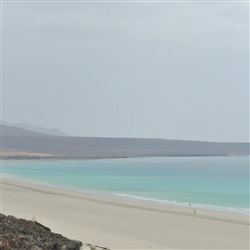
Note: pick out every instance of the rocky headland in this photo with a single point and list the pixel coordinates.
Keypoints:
(20, 234)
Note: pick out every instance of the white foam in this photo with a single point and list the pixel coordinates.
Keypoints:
(241, 211)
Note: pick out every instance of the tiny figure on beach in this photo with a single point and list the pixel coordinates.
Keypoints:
(194, 211)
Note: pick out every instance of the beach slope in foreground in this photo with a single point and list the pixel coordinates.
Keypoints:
(119, 224)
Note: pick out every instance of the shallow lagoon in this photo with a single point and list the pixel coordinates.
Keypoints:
(216, 183)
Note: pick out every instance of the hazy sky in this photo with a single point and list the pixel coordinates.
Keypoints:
(161, 70)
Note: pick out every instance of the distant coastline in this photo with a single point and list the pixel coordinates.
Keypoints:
(18, 143)
(37, 156)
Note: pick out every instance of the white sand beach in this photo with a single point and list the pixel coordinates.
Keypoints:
(119, 224)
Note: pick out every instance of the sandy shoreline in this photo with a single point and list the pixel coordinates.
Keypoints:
(120, 224)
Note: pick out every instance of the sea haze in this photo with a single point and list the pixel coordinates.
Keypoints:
(213, 183)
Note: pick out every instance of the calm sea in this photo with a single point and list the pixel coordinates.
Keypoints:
(214, 183)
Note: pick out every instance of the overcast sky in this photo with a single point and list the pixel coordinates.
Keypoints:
(155, 70)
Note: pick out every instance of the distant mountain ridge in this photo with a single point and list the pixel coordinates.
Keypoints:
(35, 128)
(20, 143)
(19, 132)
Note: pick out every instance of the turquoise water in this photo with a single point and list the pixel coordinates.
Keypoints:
(217, 183)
